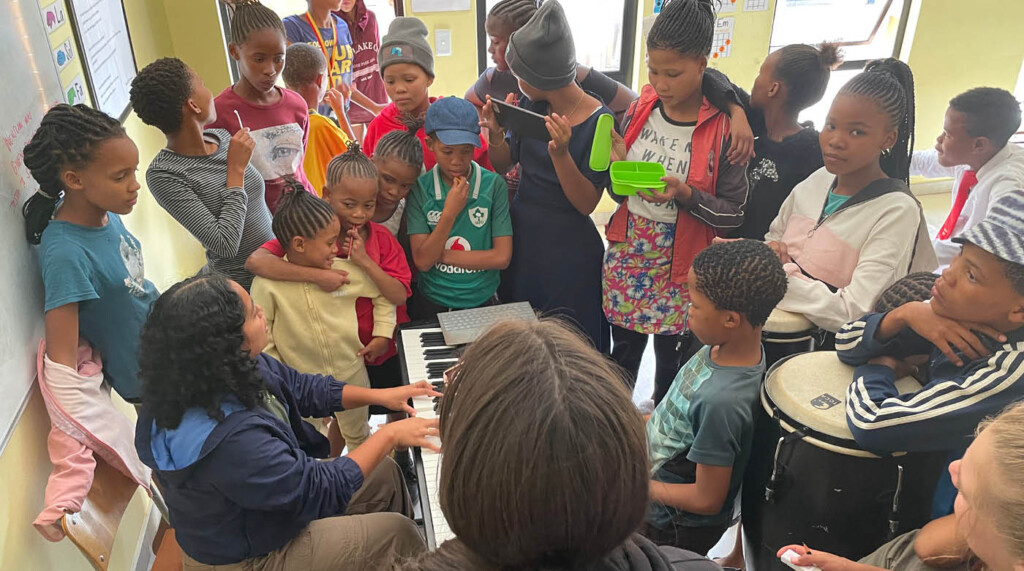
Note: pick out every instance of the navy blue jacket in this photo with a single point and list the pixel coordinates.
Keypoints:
(247, 485)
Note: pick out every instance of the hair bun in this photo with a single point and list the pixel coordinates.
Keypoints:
(829, 55)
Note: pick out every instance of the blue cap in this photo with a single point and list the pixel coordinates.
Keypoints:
(454, 121)
(1001, 233)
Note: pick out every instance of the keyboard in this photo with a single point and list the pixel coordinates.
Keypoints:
(464, 326)
(425, 356)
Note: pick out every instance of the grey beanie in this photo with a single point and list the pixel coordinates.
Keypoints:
(542, 52)
(406, 42)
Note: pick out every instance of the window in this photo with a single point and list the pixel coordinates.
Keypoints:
(603, 31)
(864, 29)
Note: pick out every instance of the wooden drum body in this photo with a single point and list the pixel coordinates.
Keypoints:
(809, 482)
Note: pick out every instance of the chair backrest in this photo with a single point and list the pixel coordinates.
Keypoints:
(94, 528)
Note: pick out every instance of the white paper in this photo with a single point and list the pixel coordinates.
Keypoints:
(107, 51)
(722, 45)
(439, 6)
(755, 5)
(728, 6)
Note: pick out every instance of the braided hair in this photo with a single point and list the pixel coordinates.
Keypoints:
(159, 92)
(805, 70)
(401, 145)
(300, 213)
(743, 276)
(68, 136)
(351, 163)
(890, 83)
(249, 16)
(514, 14)
(911, 287)
(684, 26)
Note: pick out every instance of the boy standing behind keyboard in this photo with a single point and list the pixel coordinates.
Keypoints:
(460, 231)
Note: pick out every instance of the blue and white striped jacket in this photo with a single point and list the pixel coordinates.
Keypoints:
(944, 414)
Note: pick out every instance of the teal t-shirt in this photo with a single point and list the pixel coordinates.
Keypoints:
(101, 269)
(484, 218)
(707, 417)
(833, 202)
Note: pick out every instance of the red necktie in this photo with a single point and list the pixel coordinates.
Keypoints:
(967, 182)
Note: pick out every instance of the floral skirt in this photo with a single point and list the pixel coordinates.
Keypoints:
(637, 291)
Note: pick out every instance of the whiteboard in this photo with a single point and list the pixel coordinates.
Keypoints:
(107, 51)
(29, 88)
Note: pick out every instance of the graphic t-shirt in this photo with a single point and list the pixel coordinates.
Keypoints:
(707, 417)
(484, 218)
(666, 142)
(366, 72)
(101, 269)
(339, 53)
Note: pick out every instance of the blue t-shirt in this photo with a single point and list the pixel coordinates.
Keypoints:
(707, 417)
(342, 55)
(101, 269)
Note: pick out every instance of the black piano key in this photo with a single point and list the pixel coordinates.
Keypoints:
(435, 354)
(434, 339)
(439, 367)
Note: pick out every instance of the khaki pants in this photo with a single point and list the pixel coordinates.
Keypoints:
(354, 425)
(374, 532)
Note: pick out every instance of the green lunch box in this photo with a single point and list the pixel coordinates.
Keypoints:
(629, 177)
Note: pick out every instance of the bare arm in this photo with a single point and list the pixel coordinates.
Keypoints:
(706, 496)
(582, 193)
(390, 287)
(497, 147)
(62, 335)
(497, 258)
(265, 264)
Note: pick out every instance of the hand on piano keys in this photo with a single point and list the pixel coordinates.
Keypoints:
(411, 432)
(398, 397)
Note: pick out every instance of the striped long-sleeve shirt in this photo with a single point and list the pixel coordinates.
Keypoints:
(944, 414)
(230, 223)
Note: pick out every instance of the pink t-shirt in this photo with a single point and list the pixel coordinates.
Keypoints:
(280, 130)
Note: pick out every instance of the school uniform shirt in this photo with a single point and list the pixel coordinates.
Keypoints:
(365, 70)
(1001, 174)
(246, 485)
(230, 222)
(337, 50)
(326, 141)
(667, 143)
(280, 131)
(842, 261)
(101, 269)
(707, 417)
(384, 249)
(390, 119)
(484, 218)
(313, 330)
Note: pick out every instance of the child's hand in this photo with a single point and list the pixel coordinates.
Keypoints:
(946, 334)
(354, 248)
(675, 189)
(619, 149)
(720, 240)
(822, 560)
(398, 397)
(331, 280)
(374, 349)
(336, 99)
(488, 120)
(240, 151)
(413, 432)
(781, 250)
(560, 131)
(456, 199)
(742, 148)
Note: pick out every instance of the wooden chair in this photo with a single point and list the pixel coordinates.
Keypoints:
(94, 528)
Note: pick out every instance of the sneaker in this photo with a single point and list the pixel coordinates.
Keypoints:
(405, 464)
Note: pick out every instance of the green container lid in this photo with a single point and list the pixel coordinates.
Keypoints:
(601, 149)
(630, 177)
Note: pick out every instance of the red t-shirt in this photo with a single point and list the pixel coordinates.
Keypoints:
(385, 251)
(390, 120)
(280, 131)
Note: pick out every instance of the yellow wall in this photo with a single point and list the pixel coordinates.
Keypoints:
(454, 74)
(188, 29)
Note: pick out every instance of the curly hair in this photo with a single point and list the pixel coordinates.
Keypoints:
(990, 112)
(1015, 273)
(305, 63)
(159, 92)
(911, 287)
(68, 136)
(684, 26)
(743, 276)
(190, 351)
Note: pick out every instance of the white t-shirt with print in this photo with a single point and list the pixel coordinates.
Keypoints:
(667, 142)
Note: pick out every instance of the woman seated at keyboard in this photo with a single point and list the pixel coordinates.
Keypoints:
(545, 460)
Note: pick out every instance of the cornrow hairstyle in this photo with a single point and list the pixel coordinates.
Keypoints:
(991, 112)
(68, 136)
(911, 287)
(805, 70)
(305, 63)
(890, 83)
(412, 123)
(513, 14)
(249, 16)
(684, 26)
(401, 145)
(159, 92)
(351, 163)
(742, 276)
(300, 213)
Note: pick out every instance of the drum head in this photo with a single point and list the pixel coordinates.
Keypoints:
(783, 325)
(809, 390)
